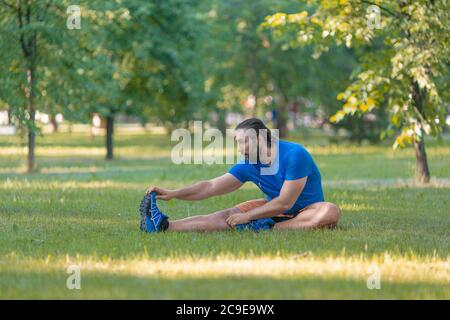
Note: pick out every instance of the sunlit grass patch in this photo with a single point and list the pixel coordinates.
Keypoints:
(337, 276)
(64, 185)
(393, 269)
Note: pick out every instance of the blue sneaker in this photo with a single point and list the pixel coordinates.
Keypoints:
(152, 218)
(256, 225)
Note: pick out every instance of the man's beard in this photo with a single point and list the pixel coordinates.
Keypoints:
(247, 156)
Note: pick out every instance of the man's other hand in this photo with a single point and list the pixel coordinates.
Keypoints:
(238, 218)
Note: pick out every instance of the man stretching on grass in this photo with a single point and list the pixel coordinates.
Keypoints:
(284, 171)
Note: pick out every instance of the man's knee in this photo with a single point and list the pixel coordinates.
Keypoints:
(326, 214)
(331, 214)
(223, 214)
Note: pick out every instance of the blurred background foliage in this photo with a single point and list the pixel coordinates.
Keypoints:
(296, 64)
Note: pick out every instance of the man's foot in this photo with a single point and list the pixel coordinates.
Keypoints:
(152, 219)
(256, 225)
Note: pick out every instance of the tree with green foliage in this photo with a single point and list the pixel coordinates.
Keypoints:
(132, 57)
(36, 65)
(152, 70)
(403, 48)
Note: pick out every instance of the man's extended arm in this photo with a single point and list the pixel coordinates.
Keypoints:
(289, 193)
(200, 190)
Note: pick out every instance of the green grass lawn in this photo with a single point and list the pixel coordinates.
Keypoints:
(81, 210)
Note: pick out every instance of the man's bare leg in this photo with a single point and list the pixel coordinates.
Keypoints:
(317, 215)
(211, 222)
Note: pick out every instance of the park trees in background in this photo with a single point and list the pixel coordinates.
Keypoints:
(37, 61)
(20, 38)
(251, 62)
(150, 69)
(244, 60)
(403, 51)
(173, 61)
(166, 61)
(132, 57)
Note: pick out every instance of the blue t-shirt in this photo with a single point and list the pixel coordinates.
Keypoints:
(294, 162)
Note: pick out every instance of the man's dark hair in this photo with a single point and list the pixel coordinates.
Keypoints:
(257, 125)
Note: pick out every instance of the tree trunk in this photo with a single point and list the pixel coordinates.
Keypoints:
(31, 144)
(422, 169)
(282, 117)
(9, 111)
(221, 121)
(54, 123)
(445, 126)
(30, 126)
(109, 137)
(29, 51)
(282, 123)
